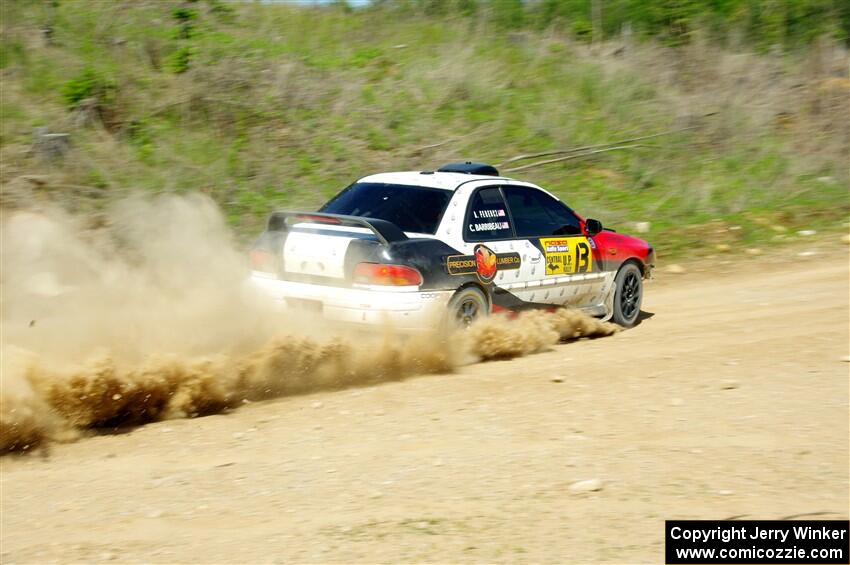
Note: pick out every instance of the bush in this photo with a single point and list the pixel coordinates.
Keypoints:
(88, 84)
(179, 60)
(222, 10)
(184, 17)
(508, 14)
(582, 29)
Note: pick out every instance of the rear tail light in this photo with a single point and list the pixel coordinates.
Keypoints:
(389, 275)
(262, 260)
(317, 219)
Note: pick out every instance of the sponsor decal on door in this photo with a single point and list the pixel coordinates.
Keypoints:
(484, 262)
(567, 255)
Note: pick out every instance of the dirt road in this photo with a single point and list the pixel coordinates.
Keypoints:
(731, 399)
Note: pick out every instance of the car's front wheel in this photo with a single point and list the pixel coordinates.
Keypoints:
(466, 306)
(628, 295)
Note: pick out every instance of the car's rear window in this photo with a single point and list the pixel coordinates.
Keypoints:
(412, 208)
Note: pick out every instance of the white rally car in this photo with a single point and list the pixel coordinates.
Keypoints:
(415, 249)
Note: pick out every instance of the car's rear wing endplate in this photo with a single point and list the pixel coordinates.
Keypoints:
(386, 232)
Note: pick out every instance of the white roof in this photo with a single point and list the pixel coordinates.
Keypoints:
(446, 181)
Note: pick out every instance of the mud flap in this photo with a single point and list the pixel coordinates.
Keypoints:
(609, 299)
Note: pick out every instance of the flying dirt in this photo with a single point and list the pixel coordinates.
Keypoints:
(142, 314)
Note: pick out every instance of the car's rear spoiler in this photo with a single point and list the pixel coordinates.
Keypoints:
(386, 232)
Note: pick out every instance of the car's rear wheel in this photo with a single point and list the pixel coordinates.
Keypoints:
(628, 295)
(466, 306)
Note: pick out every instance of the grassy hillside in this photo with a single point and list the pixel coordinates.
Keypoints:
(268, 106)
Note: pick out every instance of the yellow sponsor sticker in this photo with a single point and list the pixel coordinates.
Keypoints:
(567, 255)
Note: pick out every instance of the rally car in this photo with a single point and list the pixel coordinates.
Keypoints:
(421, 249)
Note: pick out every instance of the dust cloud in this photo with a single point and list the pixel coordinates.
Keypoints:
(141, 313)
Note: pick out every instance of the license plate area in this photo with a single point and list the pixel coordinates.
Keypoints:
(304, 304)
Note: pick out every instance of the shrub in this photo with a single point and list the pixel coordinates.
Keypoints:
(184, 17)
(582, 29)
(508, 14)
(88, 84)
(179, 60)
(221, 10)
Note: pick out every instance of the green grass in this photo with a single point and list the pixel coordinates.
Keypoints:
(265, 107)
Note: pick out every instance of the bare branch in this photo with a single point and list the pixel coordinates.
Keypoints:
(419, 150)
(590, 147)
(577, 156)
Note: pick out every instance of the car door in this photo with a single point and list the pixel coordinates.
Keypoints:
(569, 275)
(504, 264)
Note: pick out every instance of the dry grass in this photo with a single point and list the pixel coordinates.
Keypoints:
(282, 106)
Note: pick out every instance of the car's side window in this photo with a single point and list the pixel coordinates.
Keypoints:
(536, 214)
(487, 217)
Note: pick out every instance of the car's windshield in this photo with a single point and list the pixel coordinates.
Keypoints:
(412, 208)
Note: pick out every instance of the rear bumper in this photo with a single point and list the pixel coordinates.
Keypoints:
(410, 311)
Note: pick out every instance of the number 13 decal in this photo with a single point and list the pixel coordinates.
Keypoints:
(583, 261)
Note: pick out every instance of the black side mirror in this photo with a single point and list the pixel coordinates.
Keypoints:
(592, 227)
